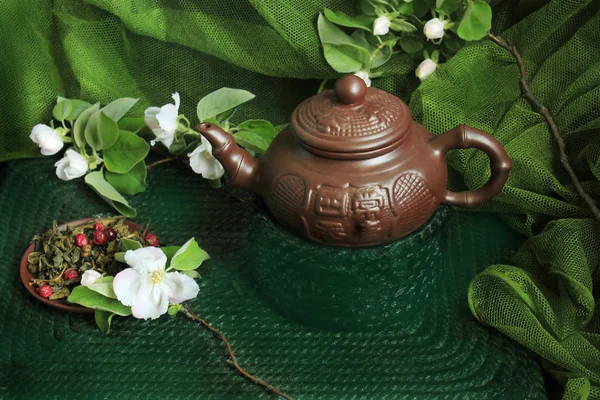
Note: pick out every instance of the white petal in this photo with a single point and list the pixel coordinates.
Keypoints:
(381, 25)
(150, 300)
(37, 130)
(180, 287)
(426, 68)
(49, 141)
(89, 277)
(126, 285)
(202, 162)
(175, 96)
(146, 259)
(364, 76)
(150, 117)
(167, 118)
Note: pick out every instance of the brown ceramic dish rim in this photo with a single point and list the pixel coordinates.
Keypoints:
(60, 304)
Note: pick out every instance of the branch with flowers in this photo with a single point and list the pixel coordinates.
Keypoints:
(109, 149)
(431, 31)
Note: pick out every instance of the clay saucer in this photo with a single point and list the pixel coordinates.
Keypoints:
(61, 304)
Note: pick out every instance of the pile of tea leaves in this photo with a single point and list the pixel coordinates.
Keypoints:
(60, 257)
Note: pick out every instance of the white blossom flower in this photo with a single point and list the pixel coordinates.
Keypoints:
(434, 29)
(72, 166)
(426, 68)
(163, 121)
(203, 162)
(364, 76)
(381, 25)
(47, 139)
(89, 277)
(147, 287)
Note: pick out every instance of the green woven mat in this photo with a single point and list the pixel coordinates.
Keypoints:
(50, 354)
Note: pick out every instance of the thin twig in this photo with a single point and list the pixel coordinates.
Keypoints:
(540, 108)
(163, 161)
(232, 359)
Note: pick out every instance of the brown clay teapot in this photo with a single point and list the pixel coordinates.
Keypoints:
(354, 169)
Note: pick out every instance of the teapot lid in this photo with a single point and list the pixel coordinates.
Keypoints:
(351, 122)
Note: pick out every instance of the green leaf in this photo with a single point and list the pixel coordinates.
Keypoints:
(103, 320)
(128, 150)
(476, 22)
(108, 130)
(453, 43)
(62, 109)
(223, 117)
(88, 298)
(120, 257)
(115, 111)
(368, 7)
(132, 124)
(170, 252)
(191, 273)
(128, 244)
(104, 286)
(131, 182)
(400, 25)
(361, 21)
(174, 309)
(108, 193)
(367, 41)
(411, 44)
(342, 53)
(221, 100)
(79, 106)
(81, 123)
(189, 256)
(251, 141)
(261, 127)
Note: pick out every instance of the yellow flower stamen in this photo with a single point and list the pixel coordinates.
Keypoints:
(157, 276)
(208, 155)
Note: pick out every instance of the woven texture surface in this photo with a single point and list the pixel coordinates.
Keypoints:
(51, 354)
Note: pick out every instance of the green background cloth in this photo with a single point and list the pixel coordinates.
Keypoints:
(441, 353)
(103, 49)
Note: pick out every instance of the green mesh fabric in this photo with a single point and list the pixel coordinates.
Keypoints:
(547, 297)
(102, 49)
(49, 354)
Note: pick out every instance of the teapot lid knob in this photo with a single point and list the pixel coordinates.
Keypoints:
(350, 89)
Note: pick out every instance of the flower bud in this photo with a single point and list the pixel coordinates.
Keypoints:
(89, 277)
(381, 25)
(426, 68)
(47, 139)
(434, 29)
(72, 166)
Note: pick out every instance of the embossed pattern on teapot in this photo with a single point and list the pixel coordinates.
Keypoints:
(353, 169)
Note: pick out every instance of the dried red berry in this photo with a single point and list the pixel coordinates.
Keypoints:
(45, 291)
(99, 226)
(71, 274)
(111, 234)
(99, 238)
(151, 239)
(81, 240)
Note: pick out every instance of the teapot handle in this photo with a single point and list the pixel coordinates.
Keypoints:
(463, 137)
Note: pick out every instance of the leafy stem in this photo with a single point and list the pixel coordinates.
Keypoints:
(540, 108)
(163, 161)
(232, 361)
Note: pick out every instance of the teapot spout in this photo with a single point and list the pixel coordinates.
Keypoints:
(240, 167)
